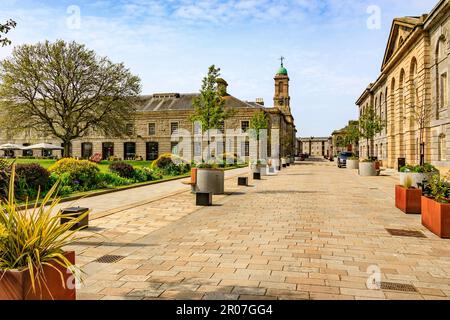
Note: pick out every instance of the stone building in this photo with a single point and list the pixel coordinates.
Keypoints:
(162, 125)
(314, 146)
(414, 77)
(338, 137)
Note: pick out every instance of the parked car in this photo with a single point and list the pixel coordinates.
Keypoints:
(342, 159)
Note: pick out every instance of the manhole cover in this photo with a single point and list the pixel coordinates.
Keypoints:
(109, 259)
(397, 287)
(405, 233)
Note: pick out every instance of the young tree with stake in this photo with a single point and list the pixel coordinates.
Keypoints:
(370, 124)
(209, 106)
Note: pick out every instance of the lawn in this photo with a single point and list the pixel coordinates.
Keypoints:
(104, 165)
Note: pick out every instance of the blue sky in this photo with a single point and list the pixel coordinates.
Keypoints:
(330, 52)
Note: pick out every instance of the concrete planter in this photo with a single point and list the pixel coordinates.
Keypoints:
(263, 168)
(275, 163)
(367, 169)
(416, 178)
(353, 164)
(210, 180)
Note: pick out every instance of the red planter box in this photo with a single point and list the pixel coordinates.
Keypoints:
(408, 200)
(436, 217)
(16, 285)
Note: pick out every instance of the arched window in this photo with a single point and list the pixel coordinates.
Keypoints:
(280, 88)
(381, 106)
(417, 150)
(442, 149)
(441, 78)
(386, 110)
(413, 83)
(402, 94)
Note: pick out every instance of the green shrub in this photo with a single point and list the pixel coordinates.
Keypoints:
(440, 189)
(426, 168)
(123, 169)
(112, 180)
(32, 178)
(140, 175)
(65, 191)
(5, 175)
(81, 173)
(153, 174)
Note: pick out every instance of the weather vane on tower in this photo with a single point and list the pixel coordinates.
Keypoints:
(282, 60)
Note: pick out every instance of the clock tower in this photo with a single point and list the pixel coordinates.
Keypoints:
(282, 100)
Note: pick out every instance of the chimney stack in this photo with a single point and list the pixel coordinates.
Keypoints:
(222, 87)
(260, 101)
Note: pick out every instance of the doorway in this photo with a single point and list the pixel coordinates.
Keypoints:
(152, 151)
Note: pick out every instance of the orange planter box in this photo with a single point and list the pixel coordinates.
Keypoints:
(436, 217)
(16, 285)
(408, 200)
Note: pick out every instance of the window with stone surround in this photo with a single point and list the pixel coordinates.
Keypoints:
(129, 129)
(197, 128)
(173, 127)
(152, 129)
(221, 127)
(245, 148)
(245, 125)
(197, 149)
(444, 90)
(442, 149)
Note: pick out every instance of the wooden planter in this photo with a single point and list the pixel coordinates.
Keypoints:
(408, 200)
(436, 217)
(16, 285)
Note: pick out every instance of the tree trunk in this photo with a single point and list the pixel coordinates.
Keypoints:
(368, 149)
(209, 147)
(66, 151)
(257, 149)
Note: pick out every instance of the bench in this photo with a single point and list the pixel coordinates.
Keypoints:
(243, 181)
(193, 181)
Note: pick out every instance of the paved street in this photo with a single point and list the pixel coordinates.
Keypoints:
(311, 232)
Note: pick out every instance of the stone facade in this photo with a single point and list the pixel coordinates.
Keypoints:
(159, 115)
(314, 146)
(414, 74)
(337, 138)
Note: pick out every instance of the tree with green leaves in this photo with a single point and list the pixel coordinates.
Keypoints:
(370, 124)
(66, 90)
(352, 134)
(258, 123)
(209, 105)
(4, 29)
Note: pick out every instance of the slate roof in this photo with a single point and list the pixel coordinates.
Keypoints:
(177, 101)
